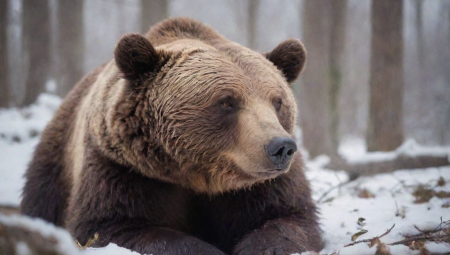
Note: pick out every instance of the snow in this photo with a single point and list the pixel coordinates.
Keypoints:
(341, 208)
(22, 248)
(354, 151)
(110, 249)
(19, 135)
(65, 245)
(338, 200)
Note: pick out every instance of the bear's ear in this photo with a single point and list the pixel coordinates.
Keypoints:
(135, 55)
(290, 57)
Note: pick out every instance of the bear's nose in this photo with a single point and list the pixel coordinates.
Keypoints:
(281, 150)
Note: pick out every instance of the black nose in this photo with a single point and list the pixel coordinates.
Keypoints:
(280, 150)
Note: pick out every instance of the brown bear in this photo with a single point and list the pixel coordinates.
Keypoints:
(182, 144)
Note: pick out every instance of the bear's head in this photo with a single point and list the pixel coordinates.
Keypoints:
(211, 116)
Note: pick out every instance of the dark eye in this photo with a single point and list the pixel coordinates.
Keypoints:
(227, 103)
(277, 104)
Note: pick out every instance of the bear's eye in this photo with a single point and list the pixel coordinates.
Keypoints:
(227, 103)
(278, 103)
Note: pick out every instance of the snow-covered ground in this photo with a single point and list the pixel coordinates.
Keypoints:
(66, 244)
(382, 200)
(19, 135)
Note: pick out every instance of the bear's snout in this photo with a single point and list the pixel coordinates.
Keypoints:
(280, 150)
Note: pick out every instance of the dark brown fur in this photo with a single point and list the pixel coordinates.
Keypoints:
(46, 180)
(153, 163)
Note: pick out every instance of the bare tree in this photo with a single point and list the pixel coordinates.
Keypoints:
(70, 44)
(385, 129)
(152, 12)
(422, 58)
(418, 5)
(252, 22)
(313, 94)
(4, 85)
(324, 38)
(445, 134)
(337, 32)
(36, 48)
(442, 70)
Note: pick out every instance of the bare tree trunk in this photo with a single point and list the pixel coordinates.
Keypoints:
(314, 93)
(444, 133)
(36, 39)
(152, 12)
(419, 27)
(442, 100)
(252, 22)
(389, 165)
(324, 36)
(422, 58)
(385, 129)
(4, 83)
(70, 44)
(337, 45)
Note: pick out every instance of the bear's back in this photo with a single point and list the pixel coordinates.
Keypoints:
(48, 182)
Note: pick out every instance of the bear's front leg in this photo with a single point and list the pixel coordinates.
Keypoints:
(143, 238)
(133, 211)
(279, 237)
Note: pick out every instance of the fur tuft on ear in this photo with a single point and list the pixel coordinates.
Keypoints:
(290, 57)
(135, 55)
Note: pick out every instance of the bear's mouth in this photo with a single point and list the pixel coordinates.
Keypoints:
(273, 172)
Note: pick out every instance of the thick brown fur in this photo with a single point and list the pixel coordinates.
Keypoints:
(163, 150)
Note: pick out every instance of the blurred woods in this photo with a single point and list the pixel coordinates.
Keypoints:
(378, 70)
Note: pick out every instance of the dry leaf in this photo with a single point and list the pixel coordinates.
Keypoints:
(442, 194)
(416, 245)
(364, 193)
(359, 233)
(382, 249)
(441, 182)
(424, 251)
(374, 241)
(422, 194)
(361, 221)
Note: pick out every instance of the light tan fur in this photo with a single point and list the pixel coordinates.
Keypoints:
(196, 76)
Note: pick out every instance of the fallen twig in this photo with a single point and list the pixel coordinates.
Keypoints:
(371, 240)
(439, 234)
(331, 189)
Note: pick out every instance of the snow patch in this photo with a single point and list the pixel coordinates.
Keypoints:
(109, 249)
(22, 249)
(65, 242)
(354, 151)
(393, 204)
(20, 129)
(24, 124)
